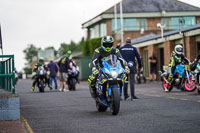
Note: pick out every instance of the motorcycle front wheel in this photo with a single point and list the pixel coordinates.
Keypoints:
(190, 86)
(115, 101)
(73, 84)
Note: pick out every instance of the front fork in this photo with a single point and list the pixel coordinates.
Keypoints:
(109, 89)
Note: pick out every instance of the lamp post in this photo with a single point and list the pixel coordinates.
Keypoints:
(122, 24)
(115, 15)
(161, 26)
(181, 23)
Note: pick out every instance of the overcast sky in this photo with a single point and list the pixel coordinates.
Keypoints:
(47, 22)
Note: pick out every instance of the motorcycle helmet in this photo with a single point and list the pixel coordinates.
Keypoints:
(41, 61)
(179, 49)
(69, 52)
(107, 43)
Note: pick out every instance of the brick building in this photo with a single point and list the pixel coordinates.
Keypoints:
(140, 18)
(189, 37)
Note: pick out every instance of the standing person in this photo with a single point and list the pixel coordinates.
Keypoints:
(63, 67)
(153, 63)
(129, 53)
(53, 73)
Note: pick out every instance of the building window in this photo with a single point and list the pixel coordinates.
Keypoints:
(118, 25)
(141, 24)
(181, 22)
(103, 29)
(167, 22)
(130, 24)
(94, 31)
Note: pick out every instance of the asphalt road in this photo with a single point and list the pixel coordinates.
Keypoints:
(75, 112)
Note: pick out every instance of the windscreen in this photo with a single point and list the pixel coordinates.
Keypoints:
(111, 60)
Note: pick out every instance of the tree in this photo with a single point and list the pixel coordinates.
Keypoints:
(30, 52)
(90, 45)
(55, 52)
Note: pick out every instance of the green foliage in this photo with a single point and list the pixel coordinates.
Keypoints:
(30, 52)
(27, 70)
(86, 50)
(93, 44)
(90, 45)
(74, 47)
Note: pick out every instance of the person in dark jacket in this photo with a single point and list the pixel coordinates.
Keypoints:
(63, 67)
(129, 53)
(53, 67)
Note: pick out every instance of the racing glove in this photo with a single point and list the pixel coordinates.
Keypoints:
(141, 69)
(127, 70)
(48, 73)
(95, 71)
(33, 74)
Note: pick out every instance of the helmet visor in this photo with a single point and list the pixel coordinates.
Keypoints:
(179, 49)
(107, 45)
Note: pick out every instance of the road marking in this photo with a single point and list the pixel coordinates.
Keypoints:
(175, 98)
(172, 97)
(184, 99)
(28, 127)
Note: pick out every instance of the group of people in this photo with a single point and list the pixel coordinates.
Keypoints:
(64, 65)
(127, 56)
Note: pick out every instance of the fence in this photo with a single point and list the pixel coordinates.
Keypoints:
(7, 73)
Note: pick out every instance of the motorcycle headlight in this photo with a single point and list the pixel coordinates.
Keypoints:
(114, 74)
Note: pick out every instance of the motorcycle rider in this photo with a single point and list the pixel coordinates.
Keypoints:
(34, 76)
(177, 57)
(104, 51)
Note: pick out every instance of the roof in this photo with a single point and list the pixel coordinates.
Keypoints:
(135, 6)
(153, 36)
(146, 6)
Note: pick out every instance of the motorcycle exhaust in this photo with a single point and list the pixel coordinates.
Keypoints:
(162, 76)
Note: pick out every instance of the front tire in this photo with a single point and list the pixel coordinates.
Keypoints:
(73, 84)
(115, 101)
(190, 86)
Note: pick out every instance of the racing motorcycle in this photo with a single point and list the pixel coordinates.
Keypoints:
(109, 84)
(41, 78)
(196, 74)
(182, 78)
(72, 79)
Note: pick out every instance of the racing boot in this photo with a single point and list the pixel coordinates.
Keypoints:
(33, 88)
(50, 87)
(92, 87)
(93, 91)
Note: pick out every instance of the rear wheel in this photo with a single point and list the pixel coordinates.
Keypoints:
(190, 85)
(167, 86)
(115, 101)
(100, 107)
(73, 84)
